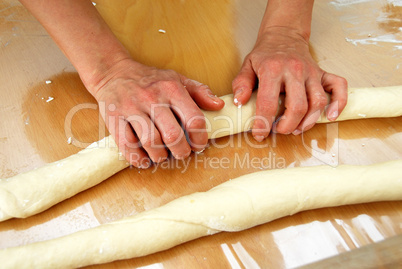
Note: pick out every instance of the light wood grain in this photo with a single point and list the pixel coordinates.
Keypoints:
(205, 40)
(384, 254)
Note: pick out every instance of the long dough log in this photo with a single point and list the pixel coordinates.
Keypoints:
(235, 205)
(381, 102)
(33, 192)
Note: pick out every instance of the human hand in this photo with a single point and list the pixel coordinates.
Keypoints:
(143, 108)
(282, 63)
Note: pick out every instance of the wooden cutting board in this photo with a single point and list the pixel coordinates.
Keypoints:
(43, 103)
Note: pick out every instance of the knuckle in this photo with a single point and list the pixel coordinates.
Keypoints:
(296, 66)
(273, 67)
(319, 101)
(149, 97)
(268, 110)
(172, 136)
(261, 124)
(237, 80)
(169, 84)
(159, 155)
(281, 130)
(196, 122)
(342, 101)
(267, 104)
(146, 143)
(343, 82)
(299, 109)
(171, 87)
(149, 141)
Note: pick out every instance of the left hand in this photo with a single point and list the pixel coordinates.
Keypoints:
(281, 62)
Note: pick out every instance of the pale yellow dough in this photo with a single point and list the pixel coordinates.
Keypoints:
(33, 192)
(235, 205)
(380, 102)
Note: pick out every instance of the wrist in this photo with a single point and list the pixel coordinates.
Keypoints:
(291, 15)
(95, 72)
(283, 33)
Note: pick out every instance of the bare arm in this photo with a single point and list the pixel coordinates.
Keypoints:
(290, 14)
(281, 62)
(82, 35)
(141, 103)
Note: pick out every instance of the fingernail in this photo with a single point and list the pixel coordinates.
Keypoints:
(211, 95)
(200, 151)
(236, 102)
(333, 115)
(237, 96)
(259, 138)
(238, 93)
(214, 98)
(296, 132)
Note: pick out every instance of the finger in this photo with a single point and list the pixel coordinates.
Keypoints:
(295, 106)
(244, 84)
(338, 87)
(170, 131)
(317, 100)
(202, 95)
(193, 121)
(149, 137)
(129, 145)
(266, 107)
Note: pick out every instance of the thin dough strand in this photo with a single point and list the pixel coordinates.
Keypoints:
(235, 205)
(30, 193)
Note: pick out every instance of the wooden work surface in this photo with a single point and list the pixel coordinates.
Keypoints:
(205, 40)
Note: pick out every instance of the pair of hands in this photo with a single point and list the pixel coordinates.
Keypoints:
(150, 111)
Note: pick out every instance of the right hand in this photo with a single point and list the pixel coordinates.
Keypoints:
(281, 61)
(143, 108)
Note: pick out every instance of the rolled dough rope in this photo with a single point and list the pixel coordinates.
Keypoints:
(235, 205)
(381, 102)
(33, 192)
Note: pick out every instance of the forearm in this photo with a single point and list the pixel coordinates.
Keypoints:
(292, 14)
(82, 35)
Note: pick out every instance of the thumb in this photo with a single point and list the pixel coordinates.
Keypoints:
(338, 87)
(202, 95)
(244, 84)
